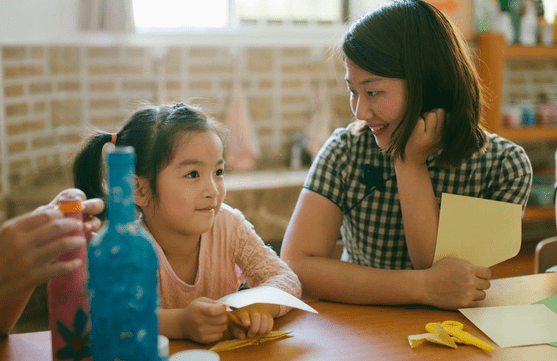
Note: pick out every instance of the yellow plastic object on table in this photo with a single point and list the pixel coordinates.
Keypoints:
(440, 337)
(455, 329)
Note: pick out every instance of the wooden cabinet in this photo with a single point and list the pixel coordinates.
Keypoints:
(492, 52)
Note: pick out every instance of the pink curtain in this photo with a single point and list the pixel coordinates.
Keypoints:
(243, 146)
(320, 124)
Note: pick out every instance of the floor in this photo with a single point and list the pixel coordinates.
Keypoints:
(522, 264)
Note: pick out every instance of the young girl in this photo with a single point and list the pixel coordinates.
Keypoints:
(206, 248)
(378, 183)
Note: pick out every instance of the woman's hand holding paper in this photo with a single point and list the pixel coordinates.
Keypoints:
(453, 283)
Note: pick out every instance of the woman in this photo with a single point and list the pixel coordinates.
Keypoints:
(378, 183)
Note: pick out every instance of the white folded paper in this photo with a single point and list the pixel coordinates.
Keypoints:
(510, 326)
(264, 294)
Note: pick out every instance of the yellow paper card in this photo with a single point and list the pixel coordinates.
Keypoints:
(483, 232)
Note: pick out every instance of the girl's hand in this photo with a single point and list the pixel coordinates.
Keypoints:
(453, 283)
(205, 320)
(256, 321)
(426, 137)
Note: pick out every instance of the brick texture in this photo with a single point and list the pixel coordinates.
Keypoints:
(14, 90)
(65, 112)
(52, 94)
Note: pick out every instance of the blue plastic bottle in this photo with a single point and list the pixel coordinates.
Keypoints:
(122, 284)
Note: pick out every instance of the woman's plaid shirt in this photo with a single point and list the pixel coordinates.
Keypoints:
(355, 174)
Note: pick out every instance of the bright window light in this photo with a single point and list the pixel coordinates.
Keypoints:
(550, 11)
(180, 15)
(175, 14)
(298, 10)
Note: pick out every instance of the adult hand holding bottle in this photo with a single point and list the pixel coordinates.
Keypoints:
(29, 244)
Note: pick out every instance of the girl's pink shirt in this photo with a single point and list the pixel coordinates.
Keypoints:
(230, 252)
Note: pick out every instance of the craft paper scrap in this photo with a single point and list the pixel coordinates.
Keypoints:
(447, 333)
(264, 294)
(234, 344)
(551, 303)
(440, 337)
(455, 329)
(481, 231)
(510, 326)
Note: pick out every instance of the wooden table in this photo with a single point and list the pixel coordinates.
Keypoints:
(347, 332)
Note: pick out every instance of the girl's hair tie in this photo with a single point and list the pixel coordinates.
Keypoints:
(113, 139)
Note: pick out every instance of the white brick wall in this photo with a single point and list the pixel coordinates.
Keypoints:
(52, 94)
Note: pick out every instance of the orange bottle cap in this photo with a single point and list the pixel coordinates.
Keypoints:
(70, 207)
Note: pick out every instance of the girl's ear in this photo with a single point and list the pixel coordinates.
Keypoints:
(142, 191)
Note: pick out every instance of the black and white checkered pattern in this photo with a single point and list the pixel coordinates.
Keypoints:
(356, 175)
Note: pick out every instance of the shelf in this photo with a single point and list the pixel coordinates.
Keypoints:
(528, 134)
(539, 214)
(241, 181)
(492, 52)
(516, 51)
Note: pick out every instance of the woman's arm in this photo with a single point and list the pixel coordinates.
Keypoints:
(308, 244)
(310, 239)
(10, 313)
(420, 212)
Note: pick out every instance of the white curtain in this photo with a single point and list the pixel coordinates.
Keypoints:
(111, 15)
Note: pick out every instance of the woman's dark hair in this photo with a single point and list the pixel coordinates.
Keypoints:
(153, 133)
(412, 40)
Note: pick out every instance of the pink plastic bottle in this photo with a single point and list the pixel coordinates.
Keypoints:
(67, 300)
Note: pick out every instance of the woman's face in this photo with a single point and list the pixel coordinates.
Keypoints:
(380, 102)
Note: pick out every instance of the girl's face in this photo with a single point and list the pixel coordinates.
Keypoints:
(191, 187)
(380, 102)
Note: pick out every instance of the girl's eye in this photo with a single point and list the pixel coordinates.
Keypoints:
(372, 93)
(220, 172)
(192, 174)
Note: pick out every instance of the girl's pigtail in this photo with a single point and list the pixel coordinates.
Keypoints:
(88, 168)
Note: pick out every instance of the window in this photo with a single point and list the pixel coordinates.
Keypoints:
(315, 23)
(328, 11)
(163, 15)
(187, 15)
